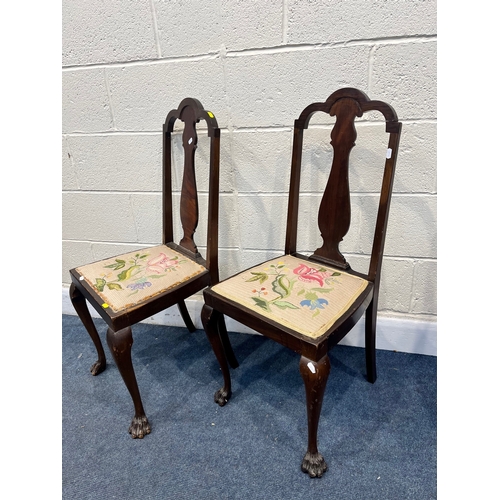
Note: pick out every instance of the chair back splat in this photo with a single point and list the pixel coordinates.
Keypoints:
(334, 215)
(190, 112)
(309, 303)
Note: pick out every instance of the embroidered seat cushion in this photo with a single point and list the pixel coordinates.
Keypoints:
(304, 296)
(126, 280)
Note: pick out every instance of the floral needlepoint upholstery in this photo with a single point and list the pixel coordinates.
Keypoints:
(128, 279)
(305, 296)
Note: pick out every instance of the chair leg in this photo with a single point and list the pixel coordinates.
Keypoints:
(120, 345)
(315, 375)
(81, 308)
(370, 338)
(231, 358)
(210, 319)
(185, 316)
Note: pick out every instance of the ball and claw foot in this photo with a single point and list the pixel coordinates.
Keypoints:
(97, 368)
(139, 427)
(314, 464)
(221, 397)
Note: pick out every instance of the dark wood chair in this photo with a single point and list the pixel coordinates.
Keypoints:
(309, 303)
(129, 288)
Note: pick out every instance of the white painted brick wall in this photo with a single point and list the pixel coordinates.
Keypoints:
(256, 65)
(272, 88)
(104, 31)
(85, 101)
(320, 21)
(117, 162)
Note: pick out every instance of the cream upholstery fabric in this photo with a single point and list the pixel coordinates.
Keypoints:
(296, 293)
(131, 278)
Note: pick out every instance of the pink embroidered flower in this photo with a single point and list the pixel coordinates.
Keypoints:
(160, 264)
(310, 274)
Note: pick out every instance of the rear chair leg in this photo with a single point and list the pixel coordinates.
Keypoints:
(370, 338)
(231, 358)
(120, 345)
(210, 319)
(186, 317)
(81, 308)
(315, 375)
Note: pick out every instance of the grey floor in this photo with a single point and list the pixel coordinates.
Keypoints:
(378, 439)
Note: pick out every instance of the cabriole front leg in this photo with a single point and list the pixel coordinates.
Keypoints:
(120, 345)
(315, 375)
(210, 319)
(81, 308)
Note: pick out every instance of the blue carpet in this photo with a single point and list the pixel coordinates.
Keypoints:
(379, 440)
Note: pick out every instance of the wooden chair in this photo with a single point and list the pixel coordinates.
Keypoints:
(131, 287)
(309, 304)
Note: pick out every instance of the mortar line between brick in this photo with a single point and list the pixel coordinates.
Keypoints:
(284, 6)
(318, 194)
(245, 194)
(328, 45)
(257, 51)
(108, 92)
(134, 217)
(411, 301)
(278, 128)
(155, 28)
(144, 62)
(371, 58)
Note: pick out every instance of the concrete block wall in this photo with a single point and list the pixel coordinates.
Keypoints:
(255, 65)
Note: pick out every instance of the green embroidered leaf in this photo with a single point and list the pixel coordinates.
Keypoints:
(311, 296)
(114, 286)
(99, 284)
(321, 270)
(125, 275)
(315, 313)
(324, 290)
(118, 265)
(258, 277)
(331, 280)
(302, 291)
(262, 303)
(143, 256)
(336, 274)
(281, 285)
(283, 304)
(156, 276)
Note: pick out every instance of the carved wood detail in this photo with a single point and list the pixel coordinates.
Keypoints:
(189, 198)
(334, 217)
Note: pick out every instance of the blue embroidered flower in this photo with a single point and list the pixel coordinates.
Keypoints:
(314, 304)
(139, 286)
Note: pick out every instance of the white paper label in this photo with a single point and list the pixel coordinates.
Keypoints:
(311, 367)
(389, 153)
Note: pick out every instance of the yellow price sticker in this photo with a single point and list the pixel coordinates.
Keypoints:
(210, 114)
(105, 306)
